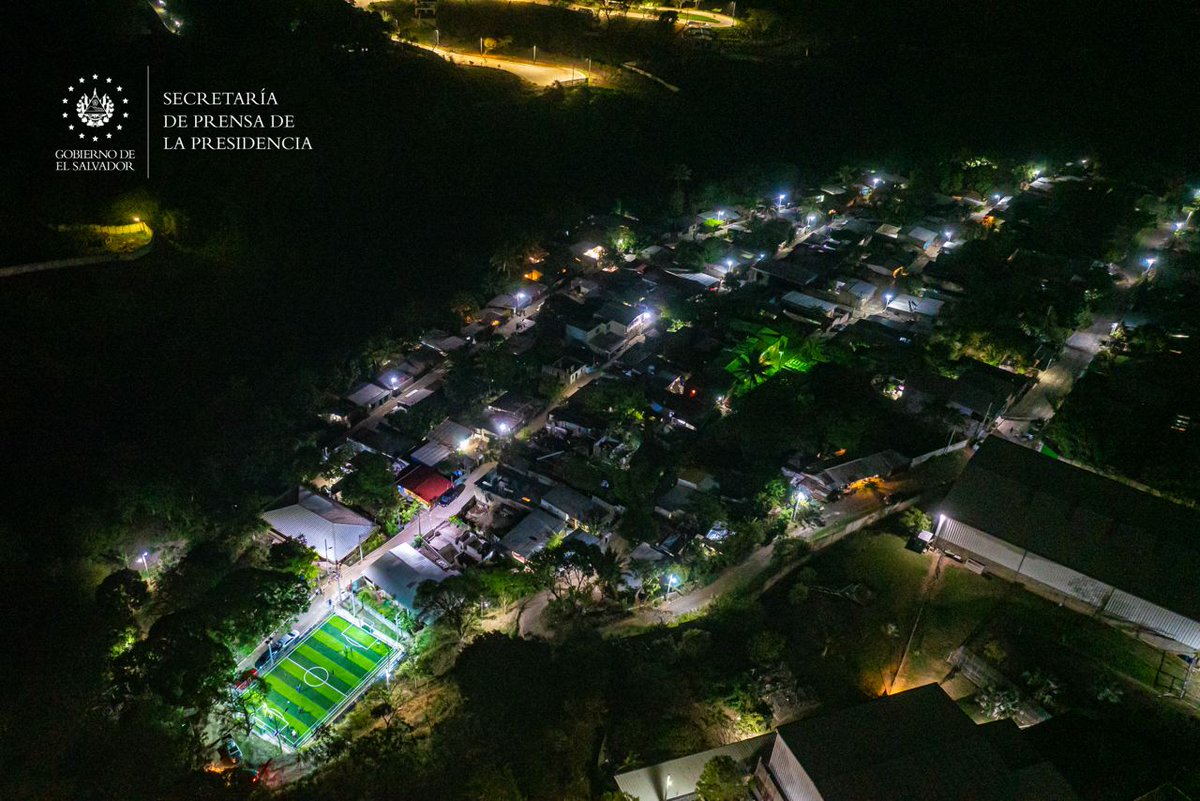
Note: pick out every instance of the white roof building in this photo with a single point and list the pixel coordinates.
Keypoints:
(368, 395)
(431, 454)
(325, 525)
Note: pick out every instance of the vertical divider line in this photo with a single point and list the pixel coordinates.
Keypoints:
(147, 122)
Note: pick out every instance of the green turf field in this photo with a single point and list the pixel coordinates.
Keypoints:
(314, 678)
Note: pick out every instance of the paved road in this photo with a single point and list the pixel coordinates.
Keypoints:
(1055, 383)
(711, 19)
(539, 74)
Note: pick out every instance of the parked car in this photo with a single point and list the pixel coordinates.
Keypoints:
(449, 495)
(246, 679)
(264, 658)
(230, 753)
(288, 639)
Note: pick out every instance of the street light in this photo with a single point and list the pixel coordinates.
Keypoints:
(145, 566)
(437, 38)
(782, 197)
(812, 218)
(720, 215)
(1150, 262)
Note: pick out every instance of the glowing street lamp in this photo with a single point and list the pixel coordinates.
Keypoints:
(1150, 262)
(720, 215)
(782, 197)
(812, 218)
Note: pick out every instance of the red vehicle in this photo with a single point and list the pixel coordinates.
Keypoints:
(244, 681)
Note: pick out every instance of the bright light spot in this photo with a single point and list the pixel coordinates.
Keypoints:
(874, 182)
(812, 218)
(720, 215)
(672, 581)
(503, 427)
(1150, 262)
(466, 443)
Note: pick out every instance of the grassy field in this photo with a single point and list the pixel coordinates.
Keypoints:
(840, 643)
(311, 681)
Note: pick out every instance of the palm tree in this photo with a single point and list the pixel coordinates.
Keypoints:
(752, 367)
(506, 262)
(609, 569)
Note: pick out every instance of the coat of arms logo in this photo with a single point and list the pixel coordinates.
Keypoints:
(97, 109)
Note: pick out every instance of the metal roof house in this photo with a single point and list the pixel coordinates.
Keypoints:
(533, 533)
(825, 478)
(403, 569)
(330, 529)
(916, 745)
(368, 396)
(1097, 545)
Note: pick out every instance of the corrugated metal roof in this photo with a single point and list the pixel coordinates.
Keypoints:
(331, 529)
(1101, 528)
(400, 571)
(451, 434)
(431, 453)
